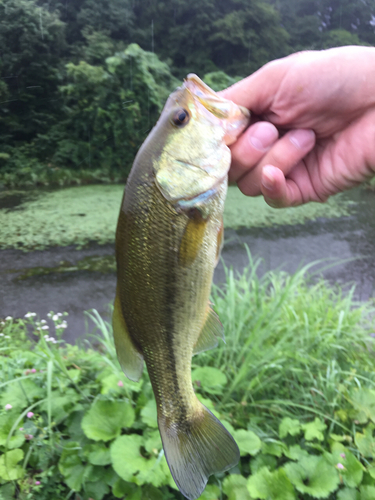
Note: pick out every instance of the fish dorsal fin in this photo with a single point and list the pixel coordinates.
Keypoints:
(211, 331)
(131, 360)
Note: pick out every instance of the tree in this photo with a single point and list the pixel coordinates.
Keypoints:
(31, 41)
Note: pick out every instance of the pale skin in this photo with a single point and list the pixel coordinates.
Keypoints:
(314, 130)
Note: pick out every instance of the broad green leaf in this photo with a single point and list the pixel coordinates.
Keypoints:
(371, 471)
(235, 487)
(153, 471)
(366, 442)
(289, 426)
(314, 430)
(126, 456)
(210, 379)
(71, 467)
(153, 442)
(122, 488)
(265, 485)
(61, 403)
(99, 454)
(367, 492)
(261, 460)
(9, 468)
(348, 494)
(313, 475)
(21, 394)
(295, 452)
(363, 401)
(110, 383)
(211, 492)
(276, 448)
(96, 490)
(149, 414)
(7, 491)
(352, 473)
(105, 419)
(248, 442)
(6, 424)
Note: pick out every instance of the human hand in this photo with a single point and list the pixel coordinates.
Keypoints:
(316, 136)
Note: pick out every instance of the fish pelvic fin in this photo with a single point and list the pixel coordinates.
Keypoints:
(130, 359)
(196, 450)
(211, 331)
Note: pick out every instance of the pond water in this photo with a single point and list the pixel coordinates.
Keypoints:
(67, 279)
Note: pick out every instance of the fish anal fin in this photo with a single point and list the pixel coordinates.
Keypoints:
(130, 359)
(192, 238)
(200, 448)
(211, 331)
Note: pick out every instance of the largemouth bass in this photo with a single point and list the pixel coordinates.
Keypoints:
(168, 241)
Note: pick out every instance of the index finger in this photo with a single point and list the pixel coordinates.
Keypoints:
(257, 91)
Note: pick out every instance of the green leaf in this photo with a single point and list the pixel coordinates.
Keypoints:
(20, 394)
(149, 414)
(126, 456)
(6, 424)
(210, 379)
(348, 494)
(96, 490)
(296, 452)
(289, 426)
(211, 492)
(61, 403)
(154, 471)
(9, 470)
(110, 384)
(314, 430)
(367, 492)
(99, 455)
(122, 488)
(261, 460)
(153, 442)
(105, 419)
(371, 471)
(7, 491)
(276, 448)
(71, 467)
(235, 487)
(313, 475)
(363, 401)
(267, 485)
(365, 442)
(248, 442)
(352, 473)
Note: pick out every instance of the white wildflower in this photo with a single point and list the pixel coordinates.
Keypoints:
(55, 317)
(6, 337)
(45, 327)
(8, 318)
(30, 315)
(1, 335)
(43, 322)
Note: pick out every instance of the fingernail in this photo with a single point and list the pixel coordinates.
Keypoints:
(268, 180)
(302, 138)
(262, 135)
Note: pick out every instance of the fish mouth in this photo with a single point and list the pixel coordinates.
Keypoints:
(219, 106)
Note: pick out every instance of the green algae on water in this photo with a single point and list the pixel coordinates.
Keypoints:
(246, 211)
(82, 214)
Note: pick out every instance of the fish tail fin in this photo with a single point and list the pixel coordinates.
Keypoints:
(196, 449)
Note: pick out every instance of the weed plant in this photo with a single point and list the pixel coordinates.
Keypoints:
(294, 383)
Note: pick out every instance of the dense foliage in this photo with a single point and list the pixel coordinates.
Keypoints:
(295, 384)
(77, 94)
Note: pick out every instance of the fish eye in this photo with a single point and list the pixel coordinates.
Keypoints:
(180, 117)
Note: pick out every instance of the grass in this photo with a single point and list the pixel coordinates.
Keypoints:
(81, 214)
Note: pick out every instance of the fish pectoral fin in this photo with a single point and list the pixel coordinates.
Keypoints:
(220, 241)
(211, 331)
(193, 454)
(192, 239)
(131, 360)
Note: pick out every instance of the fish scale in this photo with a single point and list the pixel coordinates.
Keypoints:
(168, 239)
